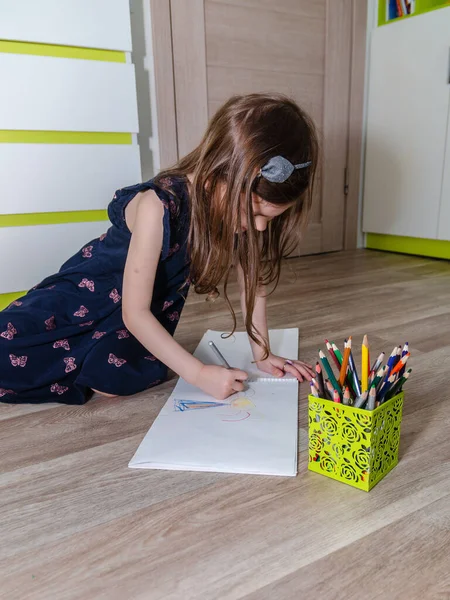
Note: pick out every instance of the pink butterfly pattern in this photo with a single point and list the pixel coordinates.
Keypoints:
(18, 361)
(70, 364)
(115, 296)
(167, 304)
(122, 334)
(150, 357)
(98, 334)
(175, 316)
(15, 303)
(62, 344)
(166, 182)
(51, 287)
(10, 332)
(113, 360)
(87, 324)
(4, 392)
(50, 323)
(81, 312)
(87, 283)
(58, 389)
(87, 252)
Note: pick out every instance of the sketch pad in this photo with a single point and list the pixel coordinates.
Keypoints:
(254, 431)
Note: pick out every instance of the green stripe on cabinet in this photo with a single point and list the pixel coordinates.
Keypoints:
(62, 51)
(408, 245)
(6, 299)
(53, 218)
(9, 136)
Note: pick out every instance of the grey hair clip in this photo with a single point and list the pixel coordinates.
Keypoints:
(278, 169)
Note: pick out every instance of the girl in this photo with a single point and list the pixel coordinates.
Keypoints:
(105, 322)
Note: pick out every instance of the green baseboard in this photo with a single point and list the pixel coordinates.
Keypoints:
(408, 245)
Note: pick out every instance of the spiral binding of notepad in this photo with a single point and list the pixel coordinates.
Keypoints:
(272, 380)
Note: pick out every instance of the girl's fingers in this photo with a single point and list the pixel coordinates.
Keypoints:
(294, 371)
(304, 367)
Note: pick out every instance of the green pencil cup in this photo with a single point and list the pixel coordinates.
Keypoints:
(356, 446)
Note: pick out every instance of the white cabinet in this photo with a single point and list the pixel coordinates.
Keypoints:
(407, 136)
(444, 213)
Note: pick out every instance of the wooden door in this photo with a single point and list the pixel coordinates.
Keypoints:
(297, 47)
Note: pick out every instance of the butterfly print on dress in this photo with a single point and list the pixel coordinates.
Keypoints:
(18, 361)
(115, 296)
(50, 324)
(113, 360)
(62, 344)
(70, 364)
(10, 332)
(87, 252)
(58, 389)
(87, 283)
(81, 312)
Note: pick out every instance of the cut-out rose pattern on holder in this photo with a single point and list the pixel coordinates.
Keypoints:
(353, 446)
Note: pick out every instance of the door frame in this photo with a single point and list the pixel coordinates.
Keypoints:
(185, 60)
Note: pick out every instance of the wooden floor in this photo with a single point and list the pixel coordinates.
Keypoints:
(75, 522)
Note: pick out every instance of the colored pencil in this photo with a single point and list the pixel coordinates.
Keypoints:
(337, 353)
(376, 365)
(379, 376)
(401, 363)
(320, 380)
(390, 362)
(333, 355)
(396, 388)
(348, 379)
(344, 365)
(336, 397)
(354, 374)
(372, 398)
(346, 396)
(365, 364)
(329, 371)
(361, 400)
(404, 351)
(397, 356)
(386, 387)
(314, 392)
(330, 389)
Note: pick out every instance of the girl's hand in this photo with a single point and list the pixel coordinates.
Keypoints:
(278, 366)
(220, 382)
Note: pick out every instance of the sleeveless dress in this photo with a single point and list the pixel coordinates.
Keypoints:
(66, 336)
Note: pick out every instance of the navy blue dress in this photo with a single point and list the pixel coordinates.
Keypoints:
(66, 336)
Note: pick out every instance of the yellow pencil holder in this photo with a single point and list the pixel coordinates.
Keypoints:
(356, 446)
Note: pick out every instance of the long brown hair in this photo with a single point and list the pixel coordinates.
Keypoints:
(225, 171)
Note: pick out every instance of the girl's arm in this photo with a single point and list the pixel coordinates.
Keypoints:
(275, 365)
(139, 278)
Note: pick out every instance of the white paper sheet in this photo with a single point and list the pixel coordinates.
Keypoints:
(254, 431)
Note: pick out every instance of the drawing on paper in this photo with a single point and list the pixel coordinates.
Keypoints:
(183, 405)
(237, 409)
